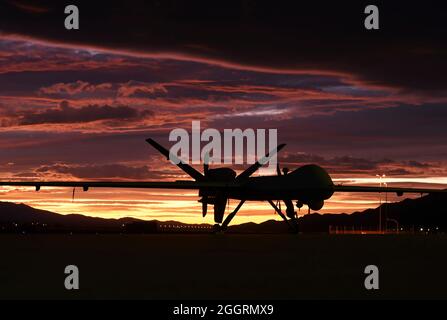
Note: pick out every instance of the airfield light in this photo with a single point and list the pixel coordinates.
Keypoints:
(380, 176)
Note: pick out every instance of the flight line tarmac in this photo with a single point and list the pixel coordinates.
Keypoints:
(226, 266)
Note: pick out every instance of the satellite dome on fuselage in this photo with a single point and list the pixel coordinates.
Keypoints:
(313, 176)
(222, 174)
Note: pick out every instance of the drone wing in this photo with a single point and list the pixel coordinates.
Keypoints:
(120, 184)
(398, 191)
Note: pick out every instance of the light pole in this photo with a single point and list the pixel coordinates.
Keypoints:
(386, 204)
(396, 222)
(380, 201)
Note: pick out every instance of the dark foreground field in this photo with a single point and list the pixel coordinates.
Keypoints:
(222, 266)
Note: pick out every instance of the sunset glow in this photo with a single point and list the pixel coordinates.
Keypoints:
(74, 112)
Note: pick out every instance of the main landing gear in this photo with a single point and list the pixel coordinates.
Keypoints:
(292, 222)
(221, 228)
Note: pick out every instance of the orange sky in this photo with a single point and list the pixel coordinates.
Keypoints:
(181, 205)
(70, 112)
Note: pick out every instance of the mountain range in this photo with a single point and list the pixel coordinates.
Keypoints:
(425, 213)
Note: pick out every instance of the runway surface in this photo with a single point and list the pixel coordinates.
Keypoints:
(229, 266)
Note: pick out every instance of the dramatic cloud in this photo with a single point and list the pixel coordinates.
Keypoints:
(90, 113)
(74, 88)
(105, 171)
(173, 87)
(79, 105)
(313, 37)
(348, 165)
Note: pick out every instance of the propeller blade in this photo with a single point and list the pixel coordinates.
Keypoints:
(254, 167)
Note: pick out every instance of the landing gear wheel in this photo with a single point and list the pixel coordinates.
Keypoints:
(295, 225)
(217, 228)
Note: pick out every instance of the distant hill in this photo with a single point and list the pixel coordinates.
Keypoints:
(20, 217)
(270, 226)
(21, 214)
(426, 212)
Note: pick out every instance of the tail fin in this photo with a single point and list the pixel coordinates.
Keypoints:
(193, 173)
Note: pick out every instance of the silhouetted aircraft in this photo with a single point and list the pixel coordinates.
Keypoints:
(308, 185)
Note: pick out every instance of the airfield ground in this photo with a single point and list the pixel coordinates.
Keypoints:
(223, 266)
